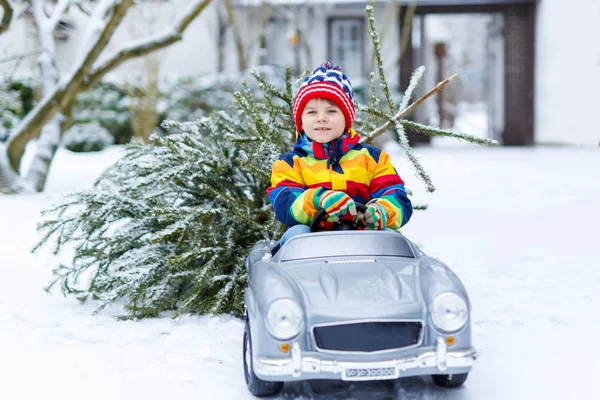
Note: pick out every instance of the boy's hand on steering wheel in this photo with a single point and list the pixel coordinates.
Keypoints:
(375, 216)
(336, 204)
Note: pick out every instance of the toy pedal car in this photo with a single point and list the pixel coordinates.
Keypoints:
(353, 305)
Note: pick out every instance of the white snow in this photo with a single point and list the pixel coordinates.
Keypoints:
(518, 225)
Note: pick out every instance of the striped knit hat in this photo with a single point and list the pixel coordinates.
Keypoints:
(327, 82)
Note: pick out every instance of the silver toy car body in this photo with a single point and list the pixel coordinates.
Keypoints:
(353, 305)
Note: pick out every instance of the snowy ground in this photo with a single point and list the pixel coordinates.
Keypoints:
(518, 225)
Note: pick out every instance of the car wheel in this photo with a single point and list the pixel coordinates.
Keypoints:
(256, 386)
(449, 381)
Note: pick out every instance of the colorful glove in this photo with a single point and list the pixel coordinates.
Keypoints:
(336, 204)
(375, 216)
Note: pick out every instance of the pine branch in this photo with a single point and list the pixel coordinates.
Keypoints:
(373, 111)
(415, 79)
(403, 113)
(271, 89)
(288, 82)
(408, 151)
(431, 131)
(373, 99)
(377, 50)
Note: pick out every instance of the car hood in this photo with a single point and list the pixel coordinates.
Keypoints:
(355, 284)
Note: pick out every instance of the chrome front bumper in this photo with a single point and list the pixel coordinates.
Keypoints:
(298, 367)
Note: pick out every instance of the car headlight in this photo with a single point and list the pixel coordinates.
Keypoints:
(449, 312)
(284, 319)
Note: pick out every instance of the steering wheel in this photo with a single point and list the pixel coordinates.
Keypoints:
(346, 223)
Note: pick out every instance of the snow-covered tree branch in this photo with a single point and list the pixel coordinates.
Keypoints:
(6, 16)
(58, 96)
(147, 45)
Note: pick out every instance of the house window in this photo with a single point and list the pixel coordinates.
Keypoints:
(346, 46)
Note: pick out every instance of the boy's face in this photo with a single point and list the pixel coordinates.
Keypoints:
(322, 120)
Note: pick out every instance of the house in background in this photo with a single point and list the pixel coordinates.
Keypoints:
(526, 61)
(538, 83)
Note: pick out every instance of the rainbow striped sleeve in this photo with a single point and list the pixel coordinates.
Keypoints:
(292, 201)
(388, 189)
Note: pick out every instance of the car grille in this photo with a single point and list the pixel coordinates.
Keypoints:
(368, 336)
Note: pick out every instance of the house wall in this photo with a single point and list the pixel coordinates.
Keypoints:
(567, 72)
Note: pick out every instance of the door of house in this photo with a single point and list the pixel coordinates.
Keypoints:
(346, 46)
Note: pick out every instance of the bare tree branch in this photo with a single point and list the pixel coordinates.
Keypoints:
(82, 8)
(7, 17)
(58, 12)
(146, 46)
(239, 42)
(23, 55)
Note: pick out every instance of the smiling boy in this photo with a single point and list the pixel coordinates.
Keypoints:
(328, 168)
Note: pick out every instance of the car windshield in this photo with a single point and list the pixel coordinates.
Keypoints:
(346, 244)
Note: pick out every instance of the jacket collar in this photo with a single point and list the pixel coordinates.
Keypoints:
(332, 151)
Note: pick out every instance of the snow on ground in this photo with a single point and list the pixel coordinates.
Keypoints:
(518, 225)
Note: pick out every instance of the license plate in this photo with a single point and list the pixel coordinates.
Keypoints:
(360, 374)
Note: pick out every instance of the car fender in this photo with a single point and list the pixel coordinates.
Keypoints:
(269, 283)
(437, 278)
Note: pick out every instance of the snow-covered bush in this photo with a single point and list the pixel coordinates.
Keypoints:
(10, 109)
(87, 137)
(16, 100)
(107, 105)
(182, 99)
(190, 98)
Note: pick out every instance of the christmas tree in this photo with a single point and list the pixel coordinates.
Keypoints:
(168, 227)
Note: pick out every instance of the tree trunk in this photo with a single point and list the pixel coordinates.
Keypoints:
(10, 181)
(48, 143)
(50, 135)
(31, 125)
(68, 119)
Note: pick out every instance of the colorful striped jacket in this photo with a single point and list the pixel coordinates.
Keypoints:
(362, 171)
